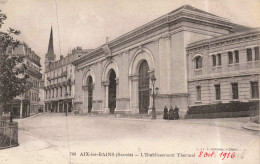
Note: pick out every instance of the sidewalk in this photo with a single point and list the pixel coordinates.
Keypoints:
(7, 117)
(252, 126)
(231, 123)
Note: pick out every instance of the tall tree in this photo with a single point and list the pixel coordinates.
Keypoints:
(12, 68)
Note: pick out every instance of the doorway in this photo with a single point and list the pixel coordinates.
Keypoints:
(90, 93)
(143, 88)
(112, 92)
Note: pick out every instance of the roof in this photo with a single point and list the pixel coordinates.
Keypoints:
(188, 7)
(240, 28)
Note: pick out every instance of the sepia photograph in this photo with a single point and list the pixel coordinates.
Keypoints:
(129, 81)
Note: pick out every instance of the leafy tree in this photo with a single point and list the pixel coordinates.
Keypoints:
(12, 68)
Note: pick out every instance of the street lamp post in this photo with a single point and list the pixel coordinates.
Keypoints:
(66, 95)
(153, 79)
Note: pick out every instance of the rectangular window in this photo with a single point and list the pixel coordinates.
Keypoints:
(60, 92)
(219, 59)
(254, 90)
(230, 58)
(256, 53)
(217, 89)
(237, 56)
(214, 60)
(198, 93)
(249, 54)
(234, 90)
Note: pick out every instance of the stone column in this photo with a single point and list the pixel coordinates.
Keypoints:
(84, 97)
(117, 88)
(151, 92)
(106, 84)
(134, 94)
(117, 92)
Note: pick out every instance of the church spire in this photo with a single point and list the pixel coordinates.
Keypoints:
(50, 48)
(50, 56)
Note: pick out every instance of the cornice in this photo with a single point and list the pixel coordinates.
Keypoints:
(154, 40)
(224, 40)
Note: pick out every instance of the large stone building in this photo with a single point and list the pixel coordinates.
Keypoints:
(28, 103)
(189, 53)
(59, 79)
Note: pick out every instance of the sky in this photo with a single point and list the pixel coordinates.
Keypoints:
(87, 23)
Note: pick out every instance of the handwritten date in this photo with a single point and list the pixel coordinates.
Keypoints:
(222, 155)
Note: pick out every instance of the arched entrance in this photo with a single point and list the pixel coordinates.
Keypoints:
(112, 91)
(143, 88)
(90, 93)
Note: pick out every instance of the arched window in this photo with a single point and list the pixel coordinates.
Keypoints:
(198, 62)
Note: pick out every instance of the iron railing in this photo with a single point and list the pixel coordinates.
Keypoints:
(8, 134)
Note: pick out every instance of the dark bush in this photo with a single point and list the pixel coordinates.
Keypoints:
(224, 107)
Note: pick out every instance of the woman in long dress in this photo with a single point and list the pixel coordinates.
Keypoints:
(165, 113)
(171, 113)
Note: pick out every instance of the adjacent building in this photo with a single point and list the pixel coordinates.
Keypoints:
(41, 95)
(28, 103)
(224, 69)
(59, 79)
(195, 56)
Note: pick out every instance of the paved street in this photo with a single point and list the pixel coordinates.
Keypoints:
(49, 138)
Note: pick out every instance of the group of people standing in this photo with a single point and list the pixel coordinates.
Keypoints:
(173, 114)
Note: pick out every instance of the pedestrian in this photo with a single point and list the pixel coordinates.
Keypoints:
(176, 113)
(165, 113)
(171, 113)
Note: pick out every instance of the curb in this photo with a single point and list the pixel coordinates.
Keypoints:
(252, 126)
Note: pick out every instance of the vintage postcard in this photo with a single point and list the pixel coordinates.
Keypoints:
(129, 81)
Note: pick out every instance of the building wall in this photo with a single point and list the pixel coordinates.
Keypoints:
(244, 72)
(208, 95)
